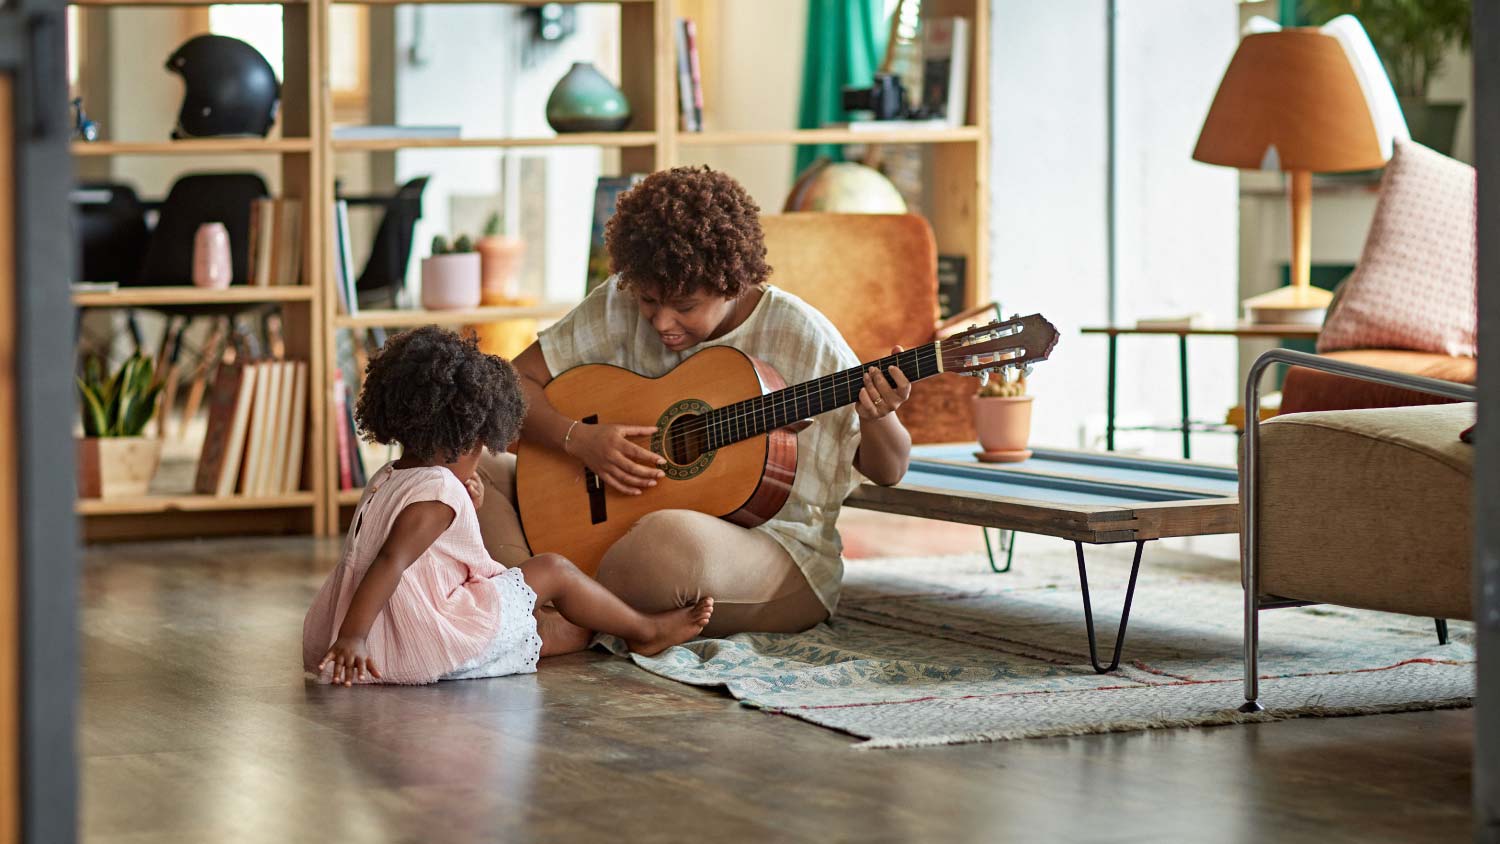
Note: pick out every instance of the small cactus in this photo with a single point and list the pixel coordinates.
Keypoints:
(1009, 382)
(463, 244)
(492, 225)
(440, 245)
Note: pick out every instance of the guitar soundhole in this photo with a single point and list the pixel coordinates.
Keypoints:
(686, 439)
(682, 438)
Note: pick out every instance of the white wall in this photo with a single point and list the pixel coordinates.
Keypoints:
(1177, 219)
(766, 38)
(473, 76)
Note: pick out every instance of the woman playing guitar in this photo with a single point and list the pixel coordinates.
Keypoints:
(688, 258)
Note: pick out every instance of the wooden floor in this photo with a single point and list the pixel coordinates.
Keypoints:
(197, 727)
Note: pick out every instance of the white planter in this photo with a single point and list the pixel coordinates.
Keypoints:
(450, 282)
(116, 467)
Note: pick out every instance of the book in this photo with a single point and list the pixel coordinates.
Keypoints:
(1174, 322)
(234, 441)
(605, 195)
(343, 264)
(945, 69)
(287, 246)
(687, 117)
(691, 29)
(223, 411)
(356, 458)
(296, 434)
(952, 284)
(341, 432)
(262, 419)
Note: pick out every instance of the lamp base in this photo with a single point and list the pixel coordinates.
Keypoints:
(1294, 305)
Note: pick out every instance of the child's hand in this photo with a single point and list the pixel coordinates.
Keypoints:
(476, 490)
(350, 655)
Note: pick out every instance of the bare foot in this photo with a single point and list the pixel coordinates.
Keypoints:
(675, 627)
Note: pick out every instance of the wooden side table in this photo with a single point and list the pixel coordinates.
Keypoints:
(1242, 331)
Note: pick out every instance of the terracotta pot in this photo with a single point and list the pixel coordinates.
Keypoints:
(450, 282)
(116, 467)
(500, 260)
(1003, 422)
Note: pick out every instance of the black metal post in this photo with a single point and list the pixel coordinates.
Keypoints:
(1109, 413)
(1187, 425)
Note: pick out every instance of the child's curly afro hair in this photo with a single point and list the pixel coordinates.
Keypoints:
(686, 230)
(438, 395)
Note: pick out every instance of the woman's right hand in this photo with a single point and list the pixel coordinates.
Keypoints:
(622, 464)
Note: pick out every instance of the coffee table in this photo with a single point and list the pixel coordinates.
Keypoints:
(1086, 497)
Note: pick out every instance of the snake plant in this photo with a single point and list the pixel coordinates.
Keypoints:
(118, 405)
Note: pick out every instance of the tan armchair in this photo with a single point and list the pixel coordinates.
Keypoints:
(1367, 508)
(875, 277)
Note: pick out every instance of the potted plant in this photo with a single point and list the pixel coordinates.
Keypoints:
(1412, 39)
(114, 458)
(450, 276)
(499, 264)
(1002, 416)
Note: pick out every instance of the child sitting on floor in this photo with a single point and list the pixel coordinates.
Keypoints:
(415, 597)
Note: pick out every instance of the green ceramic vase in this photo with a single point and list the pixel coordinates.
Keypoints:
(585, 101)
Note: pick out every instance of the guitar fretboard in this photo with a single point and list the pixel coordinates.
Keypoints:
(753, 417)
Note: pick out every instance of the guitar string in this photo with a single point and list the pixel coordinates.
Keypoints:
(729, 421)
(759, 411)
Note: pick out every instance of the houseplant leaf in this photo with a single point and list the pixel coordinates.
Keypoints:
(95, 420)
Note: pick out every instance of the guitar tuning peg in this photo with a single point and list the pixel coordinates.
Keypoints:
(984, 377)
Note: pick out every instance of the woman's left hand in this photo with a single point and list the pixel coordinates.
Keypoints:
(878, 398)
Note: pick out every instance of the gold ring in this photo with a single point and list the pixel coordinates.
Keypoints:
(879, 400)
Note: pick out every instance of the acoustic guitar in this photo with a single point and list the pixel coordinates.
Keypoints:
(722, 422)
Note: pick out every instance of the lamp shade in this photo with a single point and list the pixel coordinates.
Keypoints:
(1305, 99)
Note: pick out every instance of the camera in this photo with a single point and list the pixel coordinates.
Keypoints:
(885, 98)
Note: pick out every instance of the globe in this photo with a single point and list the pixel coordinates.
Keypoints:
(845, 187)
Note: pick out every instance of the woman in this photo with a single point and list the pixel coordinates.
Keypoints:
(688, 257)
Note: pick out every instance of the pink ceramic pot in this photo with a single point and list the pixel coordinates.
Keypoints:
(1003, 422)
(212, 267)
(500, 260)
(450, 282)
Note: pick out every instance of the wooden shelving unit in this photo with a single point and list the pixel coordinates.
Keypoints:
(298, 154)
(582, 139)
(467, 316)
(957, 164)
(144, 297)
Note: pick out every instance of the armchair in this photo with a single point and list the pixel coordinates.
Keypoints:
(875, 277)
(1392, 490)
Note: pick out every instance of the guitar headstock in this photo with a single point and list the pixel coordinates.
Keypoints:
(983, 349)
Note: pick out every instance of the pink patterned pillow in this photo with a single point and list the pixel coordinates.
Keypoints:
(1415, 284)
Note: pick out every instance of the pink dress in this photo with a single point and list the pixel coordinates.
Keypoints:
(456, 612)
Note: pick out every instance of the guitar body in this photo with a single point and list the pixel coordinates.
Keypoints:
(566, 509)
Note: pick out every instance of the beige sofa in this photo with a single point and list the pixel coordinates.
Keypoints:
(1369, 508)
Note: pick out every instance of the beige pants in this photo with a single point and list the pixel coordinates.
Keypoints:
(670, 559)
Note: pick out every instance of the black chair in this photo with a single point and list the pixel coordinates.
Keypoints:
(194, 200)
(385, 270)
(109, 223)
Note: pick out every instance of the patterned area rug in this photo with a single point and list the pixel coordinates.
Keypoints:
(943, 651)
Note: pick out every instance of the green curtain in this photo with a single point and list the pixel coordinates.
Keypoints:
(845, 43)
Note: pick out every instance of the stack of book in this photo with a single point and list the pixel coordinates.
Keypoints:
(257, 421)
(352, 473)
(275, 248)
(689, 78)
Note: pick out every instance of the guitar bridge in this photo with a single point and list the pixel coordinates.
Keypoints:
(594, 484)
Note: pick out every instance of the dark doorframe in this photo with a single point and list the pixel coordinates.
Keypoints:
(32, 49)
(1486, 55)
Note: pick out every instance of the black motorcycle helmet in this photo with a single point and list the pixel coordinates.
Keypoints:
(230, 88)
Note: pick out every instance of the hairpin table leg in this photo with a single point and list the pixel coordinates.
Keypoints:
(1008, 546)
(1088, 609)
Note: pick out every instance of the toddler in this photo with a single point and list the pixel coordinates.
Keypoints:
(415, 597)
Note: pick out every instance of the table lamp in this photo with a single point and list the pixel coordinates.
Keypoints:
(1301, 100)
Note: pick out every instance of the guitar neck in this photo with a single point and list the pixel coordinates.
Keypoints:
(753, 417)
